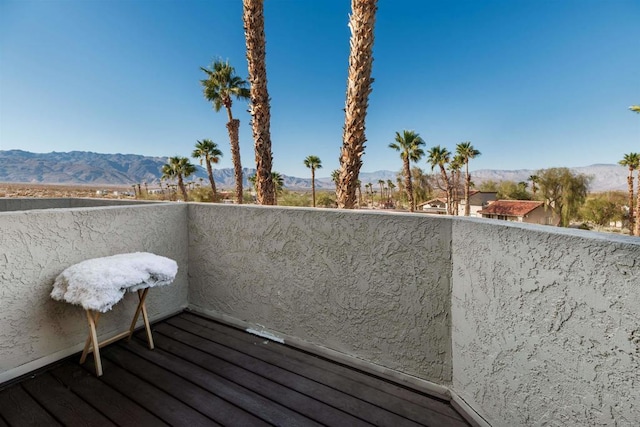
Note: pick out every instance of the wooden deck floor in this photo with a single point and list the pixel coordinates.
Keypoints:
(203, 373)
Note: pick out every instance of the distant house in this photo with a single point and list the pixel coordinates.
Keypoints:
(529, 211)
(478, 200)
(434, 206)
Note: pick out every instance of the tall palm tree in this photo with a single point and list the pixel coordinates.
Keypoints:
(466, 151)
(313, 163)
(359, 188)
(278, 183)
(178, 168)
(369, 190)
(259, 108)
(207, 151)
(637, 231)
(455, 166)
(440, 156)
(381, 183)
(390, 187)
(335, 177)
(220, 86)
(534, 182)
(632, 161)
(361, 23)
(408, 144)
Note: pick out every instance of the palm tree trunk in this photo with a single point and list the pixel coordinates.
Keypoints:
(359, 81)
(637, 232)
(313, 186)
(232, 127)
(408, 184)
(211, 180)
(447, 185)
(631, 217)
(467, 184)
(183, 190)
(259, 108)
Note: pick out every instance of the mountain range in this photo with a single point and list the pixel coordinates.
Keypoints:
(82, 167)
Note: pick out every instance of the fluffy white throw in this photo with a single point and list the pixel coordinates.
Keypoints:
(99, 283)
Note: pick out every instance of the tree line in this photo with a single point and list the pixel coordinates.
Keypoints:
(562, 192)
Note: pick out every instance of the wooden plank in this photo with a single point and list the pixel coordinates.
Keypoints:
(201, 400)
(292, 399)
(371, 395)
(242, 397)
(314, 389)
(163, 405)
(62, 403)
(113, 404)
(20, 409)
(397, 390)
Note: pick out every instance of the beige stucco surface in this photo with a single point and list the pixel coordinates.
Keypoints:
(529, 325)
(369, 285)
(8, 204)
(546, 324)
(35, 246)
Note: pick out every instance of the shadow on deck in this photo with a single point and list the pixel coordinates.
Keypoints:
(206, 373)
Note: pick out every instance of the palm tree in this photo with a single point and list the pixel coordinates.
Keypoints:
(259, 108)
(220, 86)
(207, 151)
(534, 182)
(440, 156)
(632, 161)
(313, 163)
(637, 231)
(381, 182)
(390, 187)
(278, 184)
(335, 177)
(361, 23)
(369, 190)
(454, 166)
(178, 168)
(408, 144)
(466, 151)
(359, 188)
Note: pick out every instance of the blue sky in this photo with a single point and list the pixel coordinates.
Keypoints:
(531, 83)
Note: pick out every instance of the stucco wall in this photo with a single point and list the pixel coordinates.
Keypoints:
(35, 246)
(546, 324)
(8, 204)
(369, 285)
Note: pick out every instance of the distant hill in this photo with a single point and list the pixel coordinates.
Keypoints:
(605, 177)
(81, 167)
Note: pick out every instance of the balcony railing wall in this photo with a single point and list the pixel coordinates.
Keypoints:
(546, 324)
(373, 286)
(526, 324)
(36, 245)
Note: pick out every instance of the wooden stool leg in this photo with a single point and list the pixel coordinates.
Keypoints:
(87, 343)
(145, 317)
(142, 307)
(94, 341)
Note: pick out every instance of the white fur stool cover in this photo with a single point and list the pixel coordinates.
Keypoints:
(98, 284)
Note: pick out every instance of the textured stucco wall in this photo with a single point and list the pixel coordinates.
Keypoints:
(24, 204)
(369, 285)
(546, 324)
(35, 246)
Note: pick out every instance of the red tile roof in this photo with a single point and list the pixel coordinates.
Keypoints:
(511, 207)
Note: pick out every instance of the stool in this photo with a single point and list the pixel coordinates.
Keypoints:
(99, 283)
